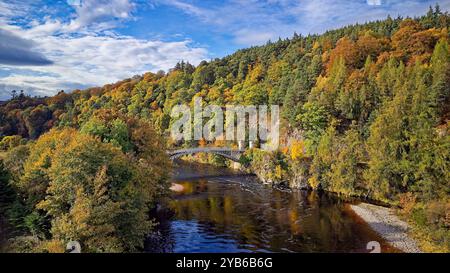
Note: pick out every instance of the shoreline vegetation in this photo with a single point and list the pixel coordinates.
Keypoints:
(364, 111)
(383, 220)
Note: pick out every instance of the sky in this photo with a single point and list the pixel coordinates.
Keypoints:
(52, 45)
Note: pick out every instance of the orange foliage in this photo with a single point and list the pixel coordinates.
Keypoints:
(410, 40)
(202, 142)
(54, 246)
(407, 202)
(369, 45)
(346, 49)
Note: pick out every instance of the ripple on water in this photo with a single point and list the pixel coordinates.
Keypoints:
(238, 214)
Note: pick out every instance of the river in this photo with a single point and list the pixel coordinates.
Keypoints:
(220, 210)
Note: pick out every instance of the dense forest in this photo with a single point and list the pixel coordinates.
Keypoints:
(365, 112)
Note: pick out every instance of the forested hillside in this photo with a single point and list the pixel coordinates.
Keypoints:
(365, 112)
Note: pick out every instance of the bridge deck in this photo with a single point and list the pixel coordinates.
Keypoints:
(232, 154)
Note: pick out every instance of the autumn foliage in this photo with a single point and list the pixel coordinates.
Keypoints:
(366, 109)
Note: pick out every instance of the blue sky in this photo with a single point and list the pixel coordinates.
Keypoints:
(46, 46)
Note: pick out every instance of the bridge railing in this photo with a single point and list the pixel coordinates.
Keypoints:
(204, 149)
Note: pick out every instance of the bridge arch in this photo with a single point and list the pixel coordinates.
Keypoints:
(231, 154)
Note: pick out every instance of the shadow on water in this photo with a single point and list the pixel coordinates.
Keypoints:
(220, 210)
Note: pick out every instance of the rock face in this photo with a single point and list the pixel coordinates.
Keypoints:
(236, 166)
(298, 178)
(299, 181)
(293, 181)
(264, 175)
(267, 168)
(176, 187)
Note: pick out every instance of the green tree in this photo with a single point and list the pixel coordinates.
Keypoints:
(346, 173)
(387, 146)
(327, 89)
(7, 194)
(96, 194)
(313, 119)
(440, 66)
(324, 158)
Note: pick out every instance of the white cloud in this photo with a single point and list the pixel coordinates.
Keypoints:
(374, 2)
(248, 36)
(8, 9)
(252, 21)
(101, 14)
(87, 52)
(188, 8)
(97, 60)
(84, 54)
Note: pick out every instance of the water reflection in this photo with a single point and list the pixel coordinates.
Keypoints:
(238, 214)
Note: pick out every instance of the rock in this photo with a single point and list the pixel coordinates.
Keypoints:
(176, 187)
(300, 182)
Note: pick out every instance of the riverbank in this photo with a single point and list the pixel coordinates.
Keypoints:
(388, 225)
(380, 219)
(221, 212)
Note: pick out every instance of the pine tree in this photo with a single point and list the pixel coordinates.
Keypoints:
(324, 158)
(387, 147)
(440, 66)
(327, 89)
(346, 172)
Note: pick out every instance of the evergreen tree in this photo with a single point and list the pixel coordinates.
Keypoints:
(440, 66)
(346, 174)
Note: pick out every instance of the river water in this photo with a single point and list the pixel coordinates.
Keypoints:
(223, 211)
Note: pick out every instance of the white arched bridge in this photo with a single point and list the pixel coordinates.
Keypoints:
(229, 153)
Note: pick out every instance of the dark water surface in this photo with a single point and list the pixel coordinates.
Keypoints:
(222, 211)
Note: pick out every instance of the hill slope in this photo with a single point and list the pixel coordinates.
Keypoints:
(371, 103)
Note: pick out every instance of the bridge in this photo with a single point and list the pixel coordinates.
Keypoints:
(231, 154)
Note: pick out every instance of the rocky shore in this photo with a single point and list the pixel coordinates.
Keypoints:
(388, 225)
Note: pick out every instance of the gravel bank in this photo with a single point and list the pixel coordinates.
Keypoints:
(388, 225)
